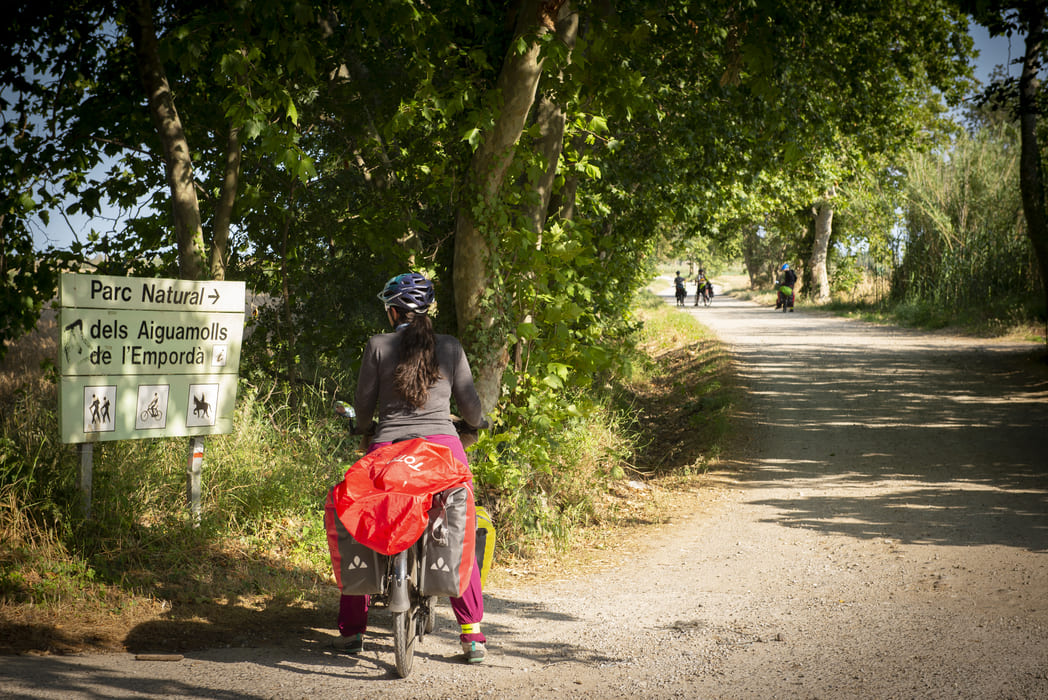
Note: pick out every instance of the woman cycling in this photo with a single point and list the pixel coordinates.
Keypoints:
(410, 377)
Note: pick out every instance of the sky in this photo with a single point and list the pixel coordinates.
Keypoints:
(992, 52)
(995, 51)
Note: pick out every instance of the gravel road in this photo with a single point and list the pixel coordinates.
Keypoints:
(882, 533)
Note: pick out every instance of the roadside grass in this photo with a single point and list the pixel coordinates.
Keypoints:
(138, 575)
(1005, 319)
(70, 583)
(677, 407)
(687, 396)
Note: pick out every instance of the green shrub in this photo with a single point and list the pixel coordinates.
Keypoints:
(542, 480)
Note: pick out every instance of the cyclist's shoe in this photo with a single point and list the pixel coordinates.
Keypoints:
(474, 652)
(353, 644)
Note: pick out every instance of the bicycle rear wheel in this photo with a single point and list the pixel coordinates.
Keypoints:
(431, 616)
(404, 633)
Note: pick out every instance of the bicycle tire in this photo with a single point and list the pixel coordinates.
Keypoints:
(404, 633)
(431, 616)
(706, 299)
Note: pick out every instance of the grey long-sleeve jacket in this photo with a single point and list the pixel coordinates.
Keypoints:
(398, 419)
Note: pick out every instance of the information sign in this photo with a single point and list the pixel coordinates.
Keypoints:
(145, 357)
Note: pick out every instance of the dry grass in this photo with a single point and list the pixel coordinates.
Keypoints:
(21, 368)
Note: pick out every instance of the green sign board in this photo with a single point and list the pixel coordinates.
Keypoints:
(143, 357)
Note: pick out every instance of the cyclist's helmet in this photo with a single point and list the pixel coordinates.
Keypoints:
(785, 266)
(410, 291)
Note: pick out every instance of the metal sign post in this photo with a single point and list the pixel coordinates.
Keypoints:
(194, 468)
(86, 467)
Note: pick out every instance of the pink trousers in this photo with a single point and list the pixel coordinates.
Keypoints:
(353, 609)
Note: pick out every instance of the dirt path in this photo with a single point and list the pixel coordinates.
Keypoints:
(883, 534)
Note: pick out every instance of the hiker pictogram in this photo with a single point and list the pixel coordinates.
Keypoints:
(99, 411)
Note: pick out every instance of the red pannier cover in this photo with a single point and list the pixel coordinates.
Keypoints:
(384, 499)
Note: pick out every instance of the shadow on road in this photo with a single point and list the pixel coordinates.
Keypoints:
(959, 426)
(65, 677)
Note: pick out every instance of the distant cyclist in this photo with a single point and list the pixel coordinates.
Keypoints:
(788, 281)
(679, 289)
(702, 284)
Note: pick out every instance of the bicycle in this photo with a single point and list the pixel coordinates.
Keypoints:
(784, 297)
(682, 294)
(414, 615)
(151, 413)
(403, 580)
(706, 296)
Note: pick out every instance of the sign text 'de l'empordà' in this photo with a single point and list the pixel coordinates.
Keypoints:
(143, 357)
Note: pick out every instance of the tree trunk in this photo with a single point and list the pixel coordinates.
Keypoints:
(185, 208)
(1031, 175)
(550, 118)
(224, 210)
(564, 203)
(478, 318)
(823, 230)
(751, 254)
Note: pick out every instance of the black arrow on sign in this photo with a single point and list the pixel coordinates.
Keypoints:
(213, 296)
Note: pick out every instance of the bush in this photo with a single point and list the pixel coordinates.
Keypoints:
(542, 482)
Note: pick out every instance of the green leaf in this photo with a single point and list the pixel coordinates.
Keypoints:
(473, 137)
(527, 331)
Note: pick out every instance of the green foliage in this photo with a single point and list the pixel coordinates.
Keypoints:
(966, 245)
(544, 471)
(25, 284)
(685, 122)
(846, 275)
